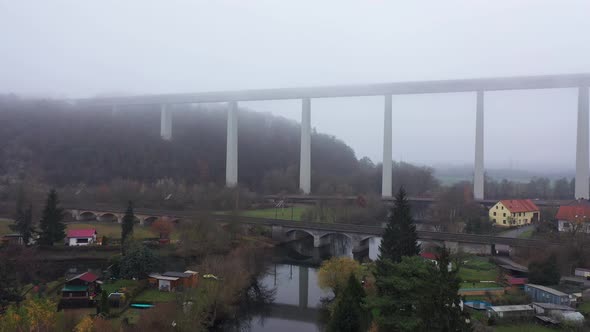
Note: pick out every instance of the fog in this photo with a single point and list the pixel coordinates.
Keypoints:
(70, 49)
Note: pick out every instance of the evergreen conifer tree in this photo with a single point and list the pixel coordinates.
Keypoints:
(127, 224)
(23, 220)
(104, 303)
(442, 312)
(400, 237)
(349, 314)
(51, 224)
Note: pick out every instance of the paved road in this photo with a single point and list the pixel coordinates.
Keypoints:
(514, 233)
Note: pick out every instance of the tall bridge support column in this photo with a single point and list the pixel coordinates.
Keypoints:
(582, 166)
(305, 157)
(387, 147)
(231, 161)
(165, 122)
(478, 174)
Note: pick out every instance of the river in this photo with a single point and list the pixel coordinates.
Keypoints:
(293, 280)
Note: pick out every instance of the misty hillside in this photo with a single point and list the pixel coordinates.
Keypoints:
(62, 145)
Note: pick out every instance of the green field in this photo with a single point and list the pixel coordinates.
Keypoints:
(4, 229)
(111, 230)
(466, 285)
(584, 308)
(154, 295)
(112, 287)
(523, 328)
(526, 234)
(478, 269)
(289, 213)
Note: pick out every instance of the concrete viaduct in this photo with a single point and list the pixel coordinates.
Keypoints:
(581, 82)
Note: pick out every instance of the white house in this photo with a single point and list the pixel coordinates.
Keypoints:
(81, 237)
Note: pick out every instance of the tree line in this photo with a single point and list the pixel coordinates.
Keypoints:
(61, 144)
(537, 187)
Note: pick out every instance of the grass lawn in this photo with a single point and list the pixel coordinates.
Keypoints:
(290, 213)
(584, 308)
(118, 284)
(526, 234)
(4, 229)
(523, 328)
(478, 269)
(479, 285)
(154, 295)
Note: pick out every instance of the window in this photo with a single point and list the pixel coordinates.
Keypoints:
(496, 207)
(494, 220)
(502, 208)
(82, 240)
(524, 220)
(504, 214)
(504, 221)
(494, 213)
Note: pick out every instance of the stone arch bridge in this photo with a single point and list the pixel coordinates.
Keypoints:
(142, 217)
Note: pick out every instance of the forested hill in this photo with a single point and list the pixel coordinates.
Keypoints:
(60, 144)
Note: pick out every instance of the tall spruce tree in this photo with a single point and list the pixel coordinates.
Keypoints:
(349, 314)
(23, 219)
(51, 224)
(400, 238)
(442, 312)
(127, 224)
(403, 289)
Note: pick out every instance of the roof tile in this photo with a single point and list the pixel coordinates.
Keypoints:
(519, 205)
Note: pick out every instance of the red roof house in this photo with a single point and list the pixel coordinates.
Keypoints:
(81, 290)
(575, 215)
(514, 212)
(81, 237)
(428, 255)
(519, 205)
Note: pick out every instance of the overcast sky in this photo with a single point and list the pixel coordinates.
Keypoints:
(86, 48)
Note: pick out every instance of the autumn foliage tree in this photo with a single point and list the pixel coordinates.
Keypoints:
(33, 315)
(162, 228)
(334, 273)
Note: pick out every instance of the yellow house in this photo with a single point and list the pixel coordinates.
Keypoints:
(514, 212)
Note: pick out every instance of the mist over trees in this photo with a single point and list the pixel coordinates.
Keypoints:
(64, 145)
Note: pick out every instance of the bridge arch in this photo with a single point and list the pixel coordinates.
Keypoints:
(293, 234)
(337, 235)
(108, 217)
(86, 216)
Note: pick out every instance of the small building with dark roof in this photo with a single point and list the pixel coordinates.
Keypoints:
(544, 294)
(172, 280)
(12, 239)
(83, 288)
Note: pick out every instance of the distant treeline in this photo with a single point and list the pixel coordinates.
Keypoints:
(63, 145)
(537, 187)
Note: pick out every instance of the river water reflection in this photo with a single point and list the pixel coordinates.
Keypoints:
(297, 296)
